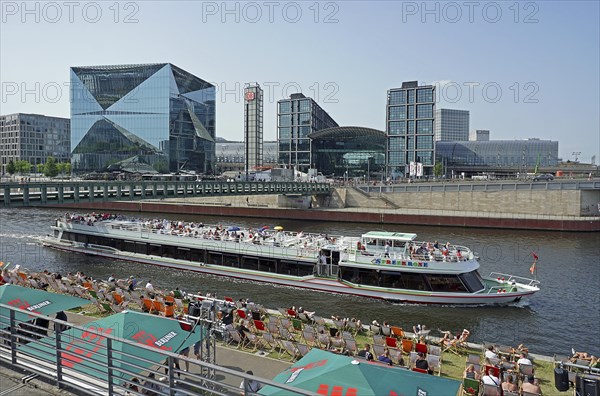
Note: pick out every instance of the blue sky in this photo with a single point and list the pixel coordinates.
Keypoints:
(523, 69)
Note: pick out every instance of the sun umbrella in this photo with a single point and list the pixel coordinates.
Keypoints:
(34, 300)
(85, 350)
(265, 227)
(278, 228)
(233, 228)
(327, 373)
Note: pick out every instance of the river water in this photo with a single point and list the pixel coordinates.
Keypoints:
(564, 314)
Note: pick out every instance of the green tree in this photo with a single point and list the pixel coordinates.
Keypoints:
(22, 167)
(64, 168)
(11, 168)
(50, 167)
(438, 169)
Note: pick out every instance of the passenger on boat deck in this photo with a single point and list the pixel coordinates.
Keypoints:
(132, 283)
(489, 353)
(366, 352)
(530, 386)
(112, 279)
(385, 358)
(509, 384)
(150, 289)
(309, 314)
(436, 245)
(386, 250)
(490, 379)
(471, 373)
(524, 360)
(458, 255)
(580, 356)
(422, 362)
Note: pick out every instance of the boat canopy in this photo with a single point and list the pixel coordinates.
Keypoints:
(390, 236)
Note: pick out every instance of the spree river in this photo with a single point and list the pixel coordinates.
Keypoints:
(564, 314)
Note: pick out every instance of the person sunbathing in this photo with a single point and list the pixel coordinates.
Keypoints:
(471, 373)
(580, 356)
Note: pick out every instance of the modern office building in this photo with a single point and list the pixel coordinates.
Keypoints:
(410, 128)
(451, 125)
(253, 126)
(499, 156)
(480, 135)
(349, 151)
(158, 112)
(34, 138)
(231, 156)
(297, 118)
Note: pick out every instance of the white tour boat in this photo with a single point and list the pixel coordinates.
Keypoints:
(385, 265)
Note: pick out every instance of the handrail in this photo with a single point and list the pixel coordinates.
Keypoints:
(518, 279)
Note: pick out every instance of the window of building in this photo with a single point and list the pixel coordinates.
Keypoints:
(424, 126)
(285, 120)
(424, 142)
(305, 105)
(411, 96)
(410, 112)
(397, 97)
(425, 95)
(285, 107)
(397, 128)
(425, 111)
(397, 113)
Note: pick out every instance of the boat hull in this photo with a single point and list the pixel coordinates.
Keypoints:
(307, 282)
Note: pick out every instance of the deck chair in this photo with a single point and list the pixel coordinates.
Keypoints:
(303, 317)
(473, 359)
(391, 342)
(234, 336)
(490, 390)
(319, 320)
(285, 323)
(378, 350)
(495, 371)
(351, 345)
(339, 324)
(297, 324)
(285, 334)
(510, 393)
(397, 332)
(470, 387)
(260, 326)
(290, 348)
(303, 349)
(168, 311)
(270, 341)
(118, 298)
(106, 306)
(273, 328)
(529, 394)
(229, 299)
(309, 337)
(435, 350)
(148, 304)
(421, 348)
(525, 370)
(379, 340)
(435, 364)
(412, 358)
(254, 340)
(375, 330)
(386, 331)
(407, 345)
(241, 314)
(158, 305)
(324, 340)
(292, 313)
(419, 370)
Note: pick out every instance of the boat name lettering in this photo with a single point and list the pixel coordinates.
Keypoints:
(38, 305)
(170, 335)
(386, 261)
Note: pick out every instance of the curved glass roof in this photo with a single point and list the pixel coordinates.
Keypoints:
(346, 133)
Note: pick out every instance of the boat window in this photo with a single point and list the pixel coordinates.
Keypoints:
(215, 258)
(390, 279)
(446, 283)
(155, 250)
(128, 246)
(349, 274)
(140, 248)
(267, 265)
(399, 244)
(250, 263)
(472, 281)
(198, 255)
(231, 260)
(414, 281)
(183, 254)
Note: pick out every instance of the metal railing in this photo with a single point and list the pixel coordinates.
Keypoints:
(52, 193)
(44, 346)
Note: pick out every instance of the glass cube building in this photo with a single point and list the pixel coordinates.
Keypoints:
(298, 117)
(158, 112)
(451, 125)
(409, 126)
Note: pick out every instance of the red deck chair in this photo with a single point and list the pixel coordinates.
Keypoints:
(495, 371)
(260, 325)
(391, 342)
(291, 313)
(421, 348)
(419, 370)
(229, 299)
(242, 314)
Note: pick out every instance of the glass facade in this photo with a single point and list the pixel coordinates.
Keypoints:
(514, 155)
(351, 151)
(451, 125)
(410, 128)
(159, 113)
(297, 118)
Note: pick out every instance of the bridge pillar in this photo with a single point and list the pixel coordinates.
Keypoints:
(105, 193)
(91, 192)
(119, 191)
(6, 196)
(76, 193)
(60, 196)
(154, 193)
(44, 194)
(131, 191)
(25, 195)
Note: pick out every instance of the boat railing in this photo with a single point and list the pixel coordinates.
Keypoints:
(507, 278)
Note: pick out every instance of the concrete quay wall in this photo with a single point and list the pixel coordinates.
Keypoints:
(526, 202)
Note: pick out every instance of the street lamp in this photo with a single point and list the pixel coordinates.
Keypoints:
(369, 169)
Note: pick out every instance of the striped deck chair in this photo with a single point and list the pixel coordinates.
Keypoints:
(351, 345)
(324, 340)
(379, 340)
(435, 364)
(309, 337)
(290, 348)
(270, 341)
(303, 349)
(378, 350)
